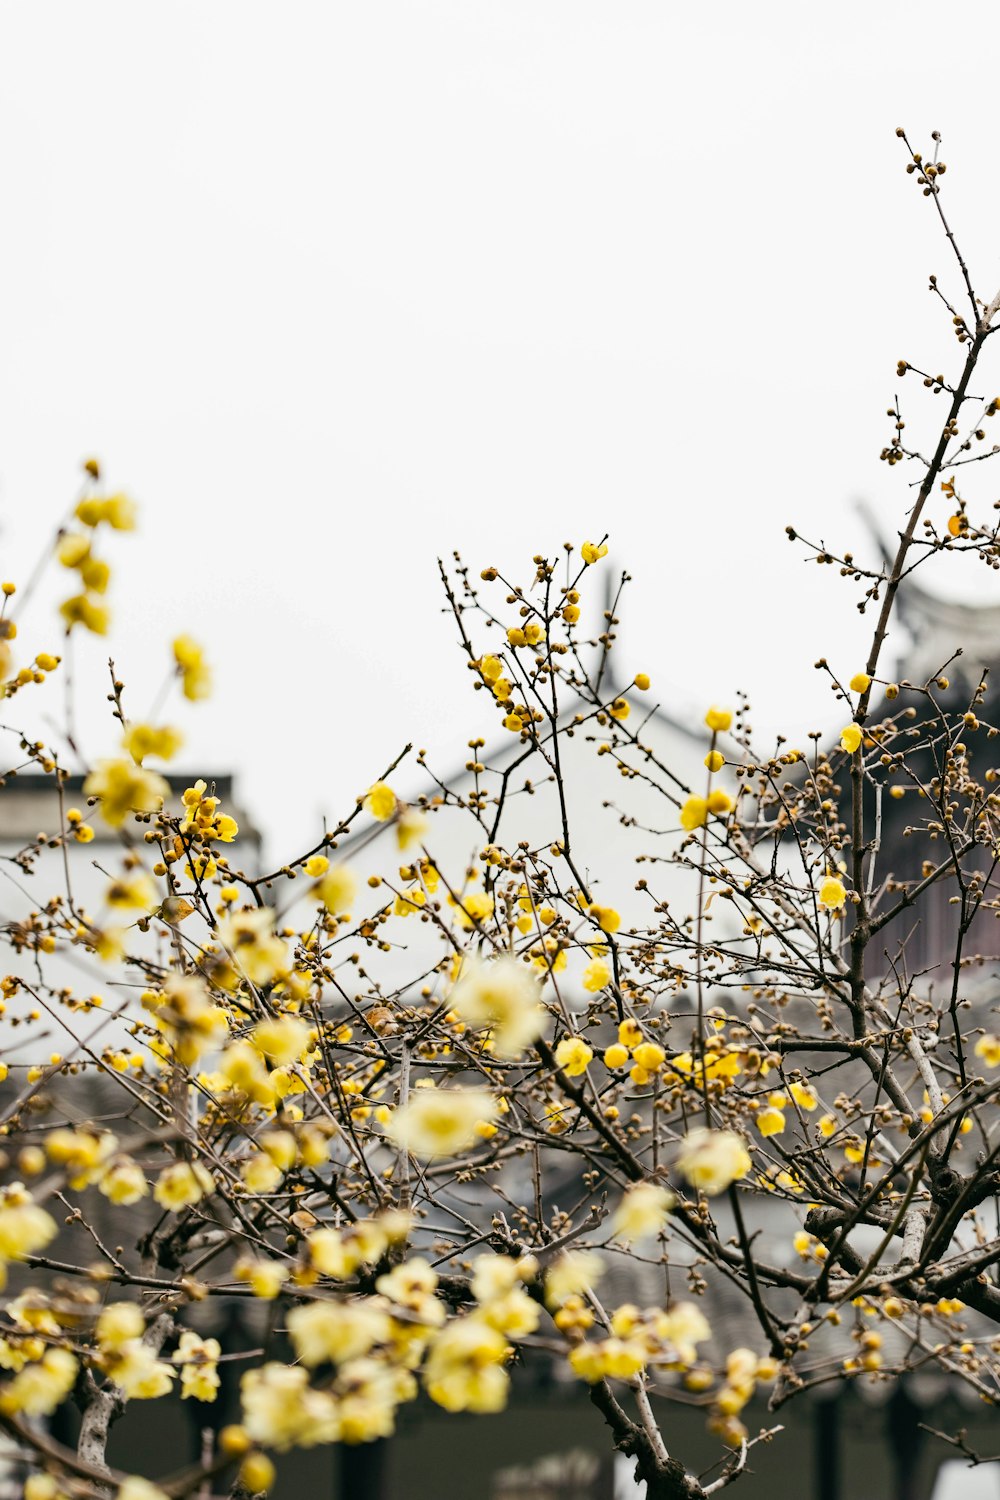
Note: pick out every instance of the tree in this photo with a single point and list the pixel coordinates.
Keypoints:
(372, 1158)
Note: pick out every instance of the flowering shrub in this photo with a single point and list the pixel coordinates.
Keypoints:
(371, 1151)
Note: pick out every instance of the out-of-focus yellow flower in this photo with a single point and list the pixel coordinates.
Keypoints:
(410, 828)
(380, 801)
(503, 994)
(124, 1182)
(619, 1359)
(607, 919)
(249, 935)
(464, 1371)
(720, 802)
(715, 760)
(694, 813)
(596, 976)
(615, 1056)
(182, 1184)
(265, 1278)
(332, 1332)
(42, 1386)
(988, 1048)
(132, 892)
(713, 1159)
(281, 1411)
(118, 1324)
(195, 673)
(440, 1122)
(804, 1095)
(643, 1211)
(137, 1370)
(125, 788)
(337, 889)
(281, 1040)
(770, 1121)
(860, 682)
(141, 740)
(832, 893)
(570, 1275)
(719, 719)
(25, 1227)
(84, 609)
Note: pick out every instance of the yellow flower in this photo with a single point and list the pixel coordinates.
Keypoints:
(649, 1056)
(607, 919)
(141, 740)
(850, 738)
(181, 1184)
(137, 1370)
(719, 719)
(25, 1227)
(265, 1278)
(620, 709)
(596, 976)
(41, 1387)
(571, 1274)
(380, 801)
(135, 892)
(504, 995)
(124, 1183)
(770, 1121)
(83, 609)
(337, 890)
(988, 1048)
(333, 1332)
(694, 814)
(642, 1211)
(615, 1056)
(720, 802)
(137, 1488)
(592, 552)
(410, 828)
(83, 1153)
(440, 1122)
(72, 549)
(715, 760)
(260, 1174)
(641, 680)
(198, 1359)
(620, 1359)
(464, 1369)
(573, 1055)
(282, 1040)
(804, 1095)
(832, 893)
(249, 936)
(712, 1159)
(281, 1411)
(196, 674)
(860, 682)
(124, 788)
(118, 1324)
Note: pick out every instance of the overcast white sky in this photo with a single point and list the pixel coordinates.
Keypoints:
(332, 288)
